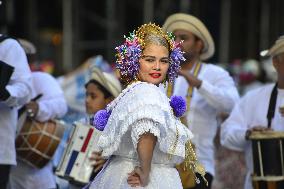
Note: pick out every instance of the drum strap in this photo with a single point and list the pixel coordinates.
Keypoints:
(272, 104)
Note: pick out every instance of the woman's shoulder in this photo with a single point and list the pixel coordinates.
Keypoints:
(142, 92)
(144, 88)
(143, 101)
(149, 94)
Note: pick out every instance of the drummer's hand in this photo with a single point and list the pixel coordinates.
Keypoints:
(32, 108)
(190, 78)
(256, 128)
(97, 161)
(138, 177)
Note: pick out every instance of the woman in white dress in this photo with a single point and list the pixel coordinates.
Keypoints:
(143, 137)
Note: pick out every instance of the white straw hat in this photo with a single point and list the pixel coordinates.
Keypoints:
(195, 26)
(107, 80)
(276, 49)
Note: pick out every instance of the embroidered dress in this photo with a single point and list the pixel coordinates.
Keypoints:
(141, 108)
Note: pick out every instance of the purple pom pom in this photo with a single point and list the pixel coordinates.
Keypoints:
(179, 105)
(100, 119)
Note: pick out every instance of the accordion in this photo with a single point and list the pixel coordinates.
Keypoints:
(75, 164)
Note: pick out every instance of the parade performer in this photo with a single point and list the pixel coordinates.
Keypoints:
(208, 89)
(142, 133)
(261, 109)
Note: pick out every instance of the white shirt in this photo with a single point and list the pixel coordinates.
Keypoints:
(217, 93)
(51, 105)
(19, 88)
(141, 108)
(250, 111)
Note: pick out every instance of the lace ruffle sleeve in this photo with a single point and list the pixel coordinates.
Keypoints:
(144, 126)
(142, 108)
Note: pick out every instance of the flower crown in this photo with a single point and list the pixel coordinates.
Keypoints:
(130, 51)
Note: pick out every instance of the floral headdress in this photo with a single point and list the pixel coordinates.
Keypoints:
(130, 51)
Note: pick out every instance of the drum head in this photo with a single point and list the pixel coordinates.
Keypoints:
(255, 135)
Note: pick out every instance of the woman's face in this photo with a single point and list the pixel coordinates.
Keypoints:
(95, 99)
(154, 64)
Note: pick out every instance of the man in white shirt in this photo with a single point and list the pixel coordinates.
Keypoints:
(207, 88)
(49, 106)
(15, 91)
(250, 113)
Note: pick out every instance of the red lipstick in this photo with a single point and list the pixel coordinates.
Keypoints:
(155, 75)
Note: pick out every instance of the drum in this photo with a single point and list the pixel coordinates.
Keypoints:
(37, 141)
(268, 159)
(75, 164)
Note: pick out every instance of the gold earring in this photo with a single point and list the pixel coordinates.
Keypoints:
(165, 83)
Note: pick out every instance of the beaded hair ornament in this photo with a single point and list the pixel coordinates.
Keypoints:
(130, 51)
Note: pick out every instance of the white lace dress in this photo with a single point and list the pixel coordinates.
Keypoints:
(140, 108)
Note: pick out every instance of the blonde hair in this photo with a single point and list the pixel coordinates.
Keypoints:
(153, 34)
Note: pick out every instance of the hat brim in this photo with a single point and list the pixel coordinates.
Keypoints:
(112, 86)
(195, 26)
(276, 49)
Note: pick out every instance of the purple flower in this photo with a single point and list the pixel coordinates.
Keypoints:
(176, 57)
(179, 105)
(100, 119)
(128, 55)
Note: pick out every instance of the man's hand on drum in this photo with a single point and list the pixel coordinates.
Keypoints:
(32, 108)
(97, 161)
(256, 128)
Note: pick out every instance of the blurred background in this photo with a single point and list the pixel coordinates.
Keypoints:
(67, 32)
